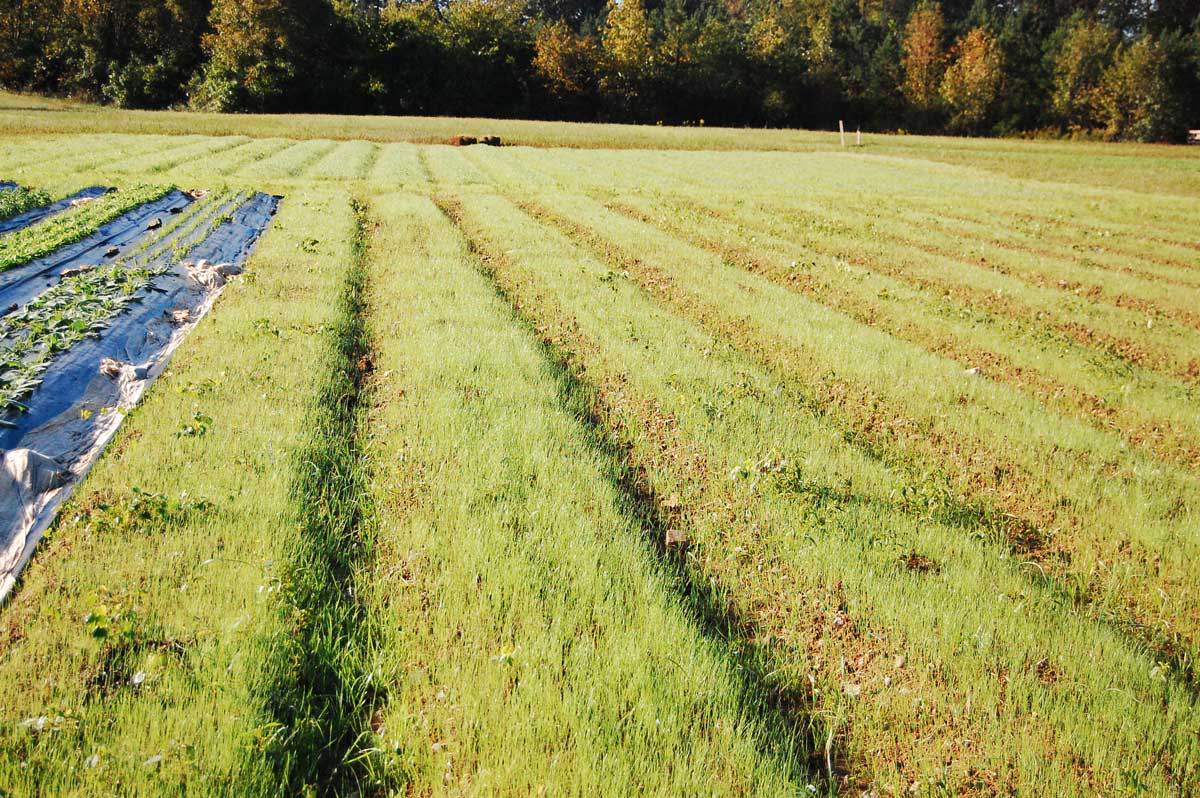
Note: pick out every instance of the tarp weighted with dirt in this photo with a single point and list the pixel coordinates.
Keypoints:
(89, 388)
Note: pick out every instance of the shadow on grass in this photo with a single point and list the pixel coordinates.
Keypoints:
(794, 735)
(322, 691)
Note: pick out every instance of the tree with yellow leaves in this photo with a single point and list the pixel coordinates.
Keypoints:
(971, 84)
(924, 56)
(628, 54)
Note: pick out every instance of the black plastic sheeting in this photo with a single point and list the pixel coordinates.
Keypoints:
(6, 185)
(75, 411)
(74, 391)
(38, 214)
(23, 283)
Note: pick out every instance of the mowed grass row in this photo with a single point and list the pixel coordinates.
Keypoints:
(880, 187)
(852, 187)
(146, 644)
(1122, 544)
(65, 163)
(1109, 251)
(290, 162)
(533, 640)
(1167, 343)
(349, 160)
(1147, 409)
(1116, 543)
(939, 660)
(398, 165)
(1165, 292)
(160, 160)
(1153, 309)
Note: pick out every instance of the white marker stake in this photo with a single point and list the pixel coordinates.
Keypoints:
(842, 131)
(858, 137)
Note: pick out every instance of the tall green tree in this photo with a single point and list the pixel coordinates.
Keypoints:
(1084, 52)
(1136, 99)
(264, 55)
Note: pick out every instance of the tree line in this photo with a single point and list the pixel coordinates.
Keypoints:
(1120, 69)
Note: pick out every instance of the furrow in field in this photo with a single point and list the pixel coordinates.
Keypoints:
(1166, 346)
(215, 162)
(141, 157)
(30, 152)
(172, 156)
(1165, 212)
(316, 155)
(813, 231)
(323, 694)
(97, 155)
(1054, 206)
(857, 182)
(1096, 249)
(855, 582)
(229, 161)
(1080, 275)
(496, 165)
(534, 168)
(1145, 412)
(1165, 349)
(534, 635)
(1162, 298)
(1116, 545)
(1089, 225)
(141, 630)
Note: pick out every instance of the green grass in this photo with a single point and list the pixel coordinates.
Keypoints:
(182, 557)
(1153, 168)
(524, 532)
(792, 502)
(396, 520)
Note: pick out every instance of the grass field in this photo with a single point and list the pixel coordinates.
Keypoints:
(632, 461)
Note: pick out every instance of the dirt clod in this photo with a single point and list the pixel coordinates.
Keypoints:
(76, 271)
(919, 563)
